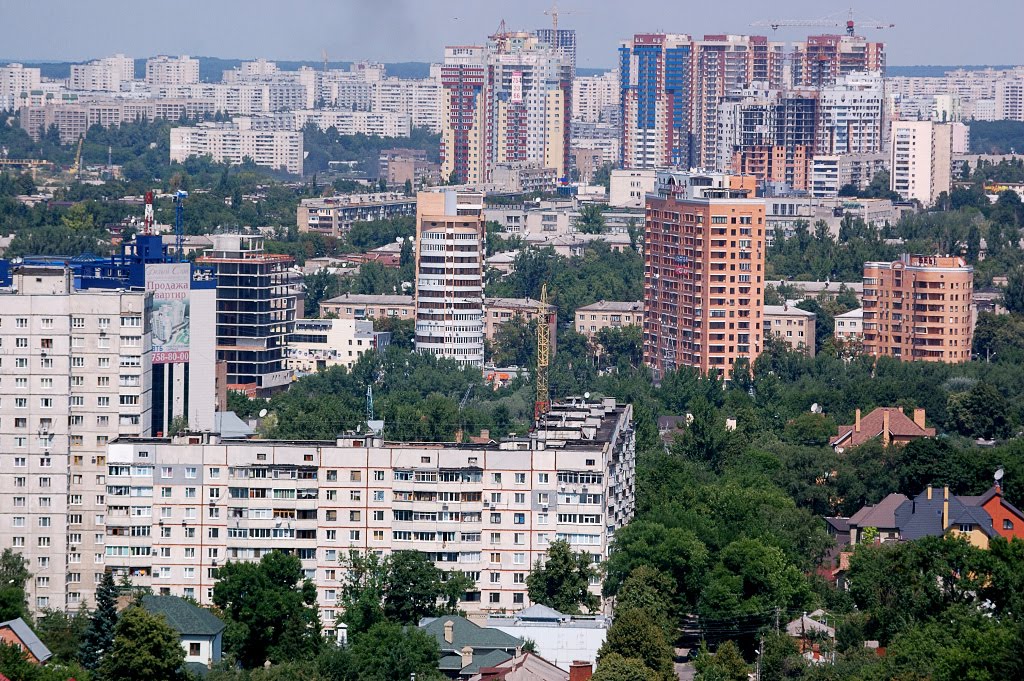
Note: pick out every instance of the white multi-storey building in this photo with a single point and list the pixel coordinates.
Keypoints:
(76, 375)
(381, 124)
(177, 510)
(167, 71)
(851, 116)
(449, 275)
(228, 144)
(317, 344)
(105, 74)
(419, 99)
(16, 84)
(920, 160)
(595, 98)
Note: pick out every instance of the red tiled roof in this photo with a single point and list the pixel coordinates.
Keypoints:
(900, 426)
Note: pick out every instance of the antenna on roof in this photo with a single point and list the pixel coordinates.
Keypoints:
(999, 474)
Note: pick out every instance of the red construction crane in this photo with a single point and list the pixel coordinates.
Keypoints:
(834, 21)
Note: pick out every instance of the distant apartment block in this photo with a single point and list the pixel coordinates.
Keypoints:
(918, 308)
(595, 98)
(629, 188)
(398, 166)
(821, 60)
(849, 326)
(73, 119)
(490, 510)
(379, 124)
(224, 144)
(105, 74)
(164, 71)
(334, 216)
(703, 273)
(16, 85)
(497, 311)
(920, 161)
(608, 314)
(829, 174)
(791, 325)
(360, 306)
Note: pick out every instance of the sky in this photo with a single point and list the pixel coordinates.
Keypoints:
(926, 32)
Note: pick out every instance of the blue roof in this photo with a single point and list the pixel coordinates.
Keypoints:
(28, 638)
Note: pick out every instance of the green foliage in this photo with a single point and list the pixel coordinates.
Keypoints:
(621, 348)
(62, 632)
(323, 146)
(14, 575)
(145, 648)
(402, 587)
(997, 137)
(319, 286)
(99, 636)
(615, 667)
(1013, 297)
(980, 412)
(562, 582)
(391, 652)
(726, 664)
(590, 219)
(270, 609)
(515, 343)
(635, 634)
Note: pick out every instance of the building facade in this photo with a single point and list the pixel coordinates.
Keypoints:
(608, 314)
(165, 71)
(489, 510)
(105, 74)
(318, 344)
(334, 216)
(281, 150)
(703, 273)
(791, 325)
(16, 85)
(920, 161)
(255, 312)
(449, 275)
(918, 308)
(361, 306)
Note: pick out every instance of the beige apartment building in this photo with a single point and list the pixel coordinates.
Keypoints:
(278, 149)
(849, 326)
(76, 371)
(920, 163)
(918, 308)
(608, 314)
(316, 344)
(497, 311)
(791, 325)
(490, 510)
(364, 306)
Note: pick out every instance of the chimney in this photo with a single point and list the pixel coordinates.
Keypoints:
(929, 492)
(467, 656)
(885, 427)
(449, 632)
(485, 433)
(919, 418)
(856, 422)
(945, 508)
(580, 670)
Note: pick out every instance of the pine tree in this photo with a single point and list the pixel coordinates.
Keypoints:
(99, 637)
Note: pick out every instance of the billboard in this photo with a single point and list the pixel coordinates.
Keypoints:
(169, 321)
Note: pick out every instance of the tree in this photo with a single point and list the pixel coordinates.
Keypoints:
(62, 632)
(615, 667)
(402, 587)
(981, 412)
(14, 575)
(705, 438)
(515, 343)
(1013, 296)
(145, 648)
(591, 219)
(319, 286)
(563, 581)
(391, 652)
(270, 608)
(99, 636)
(726, 664)
(634, 634)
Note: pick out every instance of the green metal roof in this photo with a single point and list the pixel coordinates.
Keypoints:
(184, 617)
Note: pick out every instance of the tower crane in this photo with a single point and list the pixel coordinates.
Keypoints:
(554, 13)
(78, 159)
(543, 402)
(833, 21)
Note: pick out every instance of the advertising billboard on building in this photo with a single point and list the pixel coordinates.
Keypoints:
(169, 321)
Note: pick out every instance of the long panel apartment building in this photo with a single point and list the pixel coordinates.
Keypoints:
(177, 510)
(224, 143)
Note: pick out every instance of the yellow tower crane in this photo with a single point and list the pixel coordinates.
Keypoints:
(543, 402)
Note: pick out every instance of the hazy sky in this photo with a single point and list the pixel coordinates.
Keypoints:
(926, 32)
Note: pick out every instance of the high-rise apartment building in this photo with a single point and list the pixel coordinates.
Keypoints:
(16, 82)
(168, 71)
(489, 510)
(449, 275)
(822, 59)
(595, 99)
(704, 250)
(656, 89)
(921, 160)
(255, 312)
(563, 41)
(91, 352)
(852, 116)
(226, 143)
(918, 308)
(508, 102)
(105, 74)
(76, 374)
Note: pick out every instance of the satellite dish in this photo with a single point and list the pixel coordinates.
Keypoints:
(586, 396)
(263, 413)
(815, 408)
(999, 475)
(398, 239)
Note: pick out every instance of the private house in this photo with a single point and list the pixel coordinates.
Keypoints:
(881, 516)
(565, 640)
(530, 667)
(16, 633)
(468, 648)
(888, 423)
(1007, 519)
(201, 633)
(934, 513)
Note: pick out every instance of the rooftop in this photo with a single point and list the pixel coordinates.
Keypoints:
(882, 515)
(787, 310)
(184, 617)
(872, 425)
(28, 638)
(613, 306)
(852, 314)
(365, 299)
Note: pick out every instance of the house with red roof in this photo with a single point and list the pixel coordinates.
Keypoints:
(888, 423)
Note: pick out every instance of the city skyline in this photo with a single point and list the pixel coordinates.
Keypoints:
(57, 30)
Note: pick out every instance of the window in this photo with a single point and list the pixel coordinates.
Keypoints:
(520, 478)
(494, 597)
(519, 519)
(193, 649)
(496, 478)
(1007, 524)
